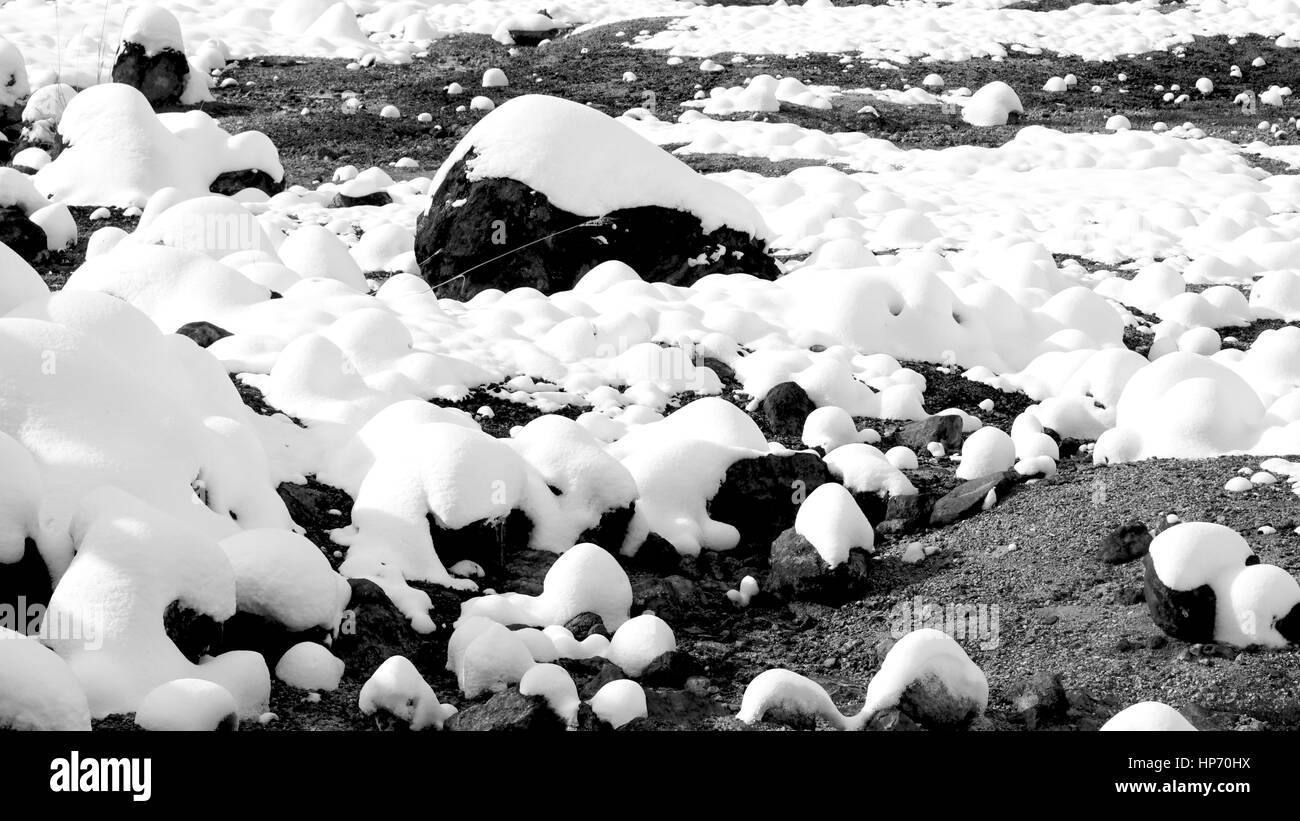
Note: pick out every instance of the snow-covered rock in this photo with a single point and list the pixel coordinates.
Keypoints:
(106, 614)
(619, 702)
(190, 705)
(120, 153)
(38, 691)
(397, 691)
(310, 666)
(584, 579)
(640, 641)
(1149, 716)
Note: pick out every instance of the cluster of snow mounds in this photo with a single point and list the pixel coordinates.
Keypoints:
(85, 33)
(553, 470)
(926, 676)
(1189, 405)
(1111, 197)
(961, 31)
(120, 153)
(105, 617)
(170, 428)
(584, 579)
(761, 93)
(487, 656)
(1202, 585)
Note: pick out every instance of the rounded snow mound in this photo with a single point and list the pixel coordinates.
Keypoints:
(14, 85)
(585, 579)
(918, 656)
(153, 28)
(188, 704)
(397, 689)
(992, 105)
(310, 666)
(38, 690)
(589, 164)
(1148, 716)
(620, 702)
(1183, 405)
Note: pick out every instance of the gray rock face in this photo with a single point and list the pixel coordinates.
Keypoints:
(1188, 615)
(930, 703)
(968, 498)
(760, 497)
(799, 573)
(946, 430)
(508, 711)
(1041, 700)
(160, 78)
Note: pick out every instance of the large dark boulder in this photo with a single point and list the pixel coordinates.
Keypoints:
(159, 77)
(232, 182)
(1188, 615)
(487, 543)
(499, 233)
(760, 497)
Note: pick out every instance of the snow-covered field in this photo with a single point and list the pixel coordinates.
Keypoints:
(740, 359)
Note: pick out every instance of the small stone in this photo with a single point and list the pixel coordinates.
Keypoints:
(945, 430)
(785, 408)
(1125, 544)
(586, 624)
(1040, 700)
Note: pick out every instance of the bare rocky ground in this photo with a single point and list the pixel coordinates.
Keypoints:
(1029, 562)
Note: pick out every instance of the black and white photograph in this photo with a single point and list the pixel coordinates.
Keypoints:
(646, 389)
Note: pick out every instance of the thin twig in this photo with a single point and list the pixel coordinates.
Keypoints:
(461, 275)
